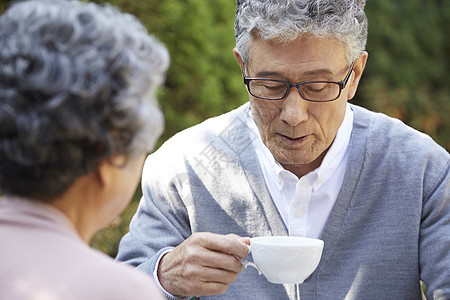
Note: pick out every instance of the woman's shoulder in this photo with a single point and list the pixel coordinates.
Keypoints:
(101, 277)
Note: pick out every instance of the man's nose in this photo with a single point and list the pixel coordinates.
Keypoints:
(294, 109)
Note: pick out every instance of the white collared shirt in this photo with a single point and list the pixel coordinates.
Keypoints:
(305, 204)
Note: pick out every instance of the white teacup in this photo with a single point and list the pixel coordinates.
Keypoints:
(285, 259)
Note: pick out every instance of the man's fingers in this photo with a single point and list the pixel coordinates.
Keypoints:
(212, 259)
(204, 264)
(230, 244)
(223, 261)
(209, 275)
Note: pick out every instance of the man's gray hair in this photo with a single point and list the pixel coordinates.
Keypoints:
(287, 20)
(77, 86)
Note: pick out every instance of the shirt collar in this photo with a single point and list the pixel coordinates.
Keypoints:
(330, 163)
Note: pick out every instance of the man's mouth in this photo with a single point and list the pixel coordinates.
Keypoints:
(293, 140)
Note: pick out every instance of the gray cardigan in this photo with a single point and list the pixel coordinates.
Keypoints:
(389, 228)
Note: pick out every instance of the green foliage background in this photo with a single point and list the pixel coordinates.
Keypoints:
(406, 75)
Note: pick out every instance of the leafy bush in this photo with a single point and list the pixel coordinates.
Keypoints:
(204, 80)
(407, 71)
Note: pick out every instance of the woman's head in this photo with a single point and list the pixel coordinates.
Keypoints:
(77, 86)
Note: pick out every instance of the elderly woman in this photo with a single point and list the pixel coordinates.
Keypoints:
(77, 117)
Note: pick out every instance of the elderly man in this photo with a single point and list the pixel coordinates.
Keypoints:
(297, 160)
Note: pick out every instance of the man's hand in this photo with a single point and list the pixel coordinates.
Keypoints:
(204, 264)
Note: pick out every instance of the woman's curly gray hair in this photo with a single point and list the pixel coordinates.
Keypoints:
(77, 86)
(287, 20)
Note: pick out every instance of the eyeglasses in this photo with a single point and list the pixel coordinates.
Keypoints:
(315, 91)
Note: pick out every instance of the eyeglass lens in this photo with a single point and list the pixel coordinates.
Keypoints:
(314, 91)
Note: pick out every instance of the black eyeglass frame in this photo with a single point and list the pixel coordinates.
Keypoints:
(341, 85)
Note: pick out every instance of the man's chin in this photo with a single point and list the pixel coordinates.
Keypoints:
(297, 158)
(300, 161)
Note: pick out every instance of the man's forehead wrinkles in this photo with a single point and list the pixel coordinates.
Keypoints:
(306, 73)
(283, 71)
(270, 73)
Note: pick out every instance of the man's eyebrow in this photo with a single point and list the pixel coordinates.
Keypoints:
(267, 74)
(319, 71)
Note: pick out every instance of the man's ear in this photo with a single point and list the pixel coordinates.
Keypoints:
(358, 70)
(238, 58)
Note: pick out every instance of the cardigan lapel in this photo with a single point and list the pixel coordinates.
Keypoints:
(357, 148)
(270, 215)
(253, 174)
(262, 198)
(251, 207)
